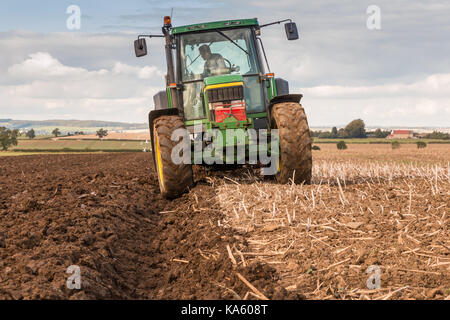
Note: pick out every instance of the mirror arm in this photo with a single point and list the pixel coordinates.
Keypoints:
(150, 36)
(276, 22)
(264, 52)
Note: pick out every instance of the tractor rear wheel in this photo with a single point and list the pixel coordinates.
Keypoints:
(174, 179)
(295, 143)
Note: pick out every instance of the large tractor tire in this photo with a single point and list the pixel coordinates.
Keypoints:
(295, 143)
(173, 179)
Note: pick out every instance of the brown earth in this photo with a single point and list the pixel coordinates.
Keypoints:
(104, 214)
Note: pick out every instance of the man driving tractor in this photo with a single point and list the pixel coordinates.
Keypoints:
(214, 62)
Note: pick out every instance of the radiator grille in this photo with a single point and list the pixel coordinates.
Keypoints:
(226, 94)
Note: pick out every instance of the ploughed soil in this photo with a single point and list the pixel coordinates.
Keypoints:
(104, 214)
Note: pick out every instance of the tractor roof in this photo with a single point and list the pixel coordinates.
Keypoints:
(215, 25)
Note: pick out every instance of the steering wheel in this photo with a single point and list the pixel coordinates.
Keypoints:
(231, 68)
(226, 60)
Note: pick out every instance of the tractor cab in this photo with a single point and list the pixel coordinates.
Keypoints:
(221, 74)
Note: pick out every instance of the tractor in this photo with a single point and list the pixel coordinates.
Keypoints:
(218, 80)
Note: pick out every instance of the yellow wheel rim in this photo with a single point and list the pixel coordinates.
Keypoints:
(159, 163)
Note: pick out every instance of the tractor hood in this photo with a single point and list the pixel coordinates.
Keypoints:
(227, 78)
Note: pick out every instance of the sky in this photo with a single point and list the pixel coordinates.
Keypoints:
(397, 74)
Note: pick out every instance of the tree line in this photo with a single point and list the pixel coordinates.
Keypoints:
(357, 129)
(8, 137)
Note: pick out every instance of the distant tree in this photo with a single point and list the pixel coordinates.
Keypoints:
(421, 144)
(341, 145)
(56, 132)
(325, 135)
(342, 133)
(381, 134)
(334, 132)
(8, 138)
(315, 148)
(356, 129)
(102, 133)
(314, 134)
(31, 134)
(438, 135)
(395, 145)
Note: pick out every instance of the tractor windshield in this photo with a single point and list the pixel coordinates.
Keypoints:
(215, 52)
(206, 54)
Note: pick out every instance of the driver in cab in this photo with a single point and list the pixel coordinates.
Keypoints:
(214, 62)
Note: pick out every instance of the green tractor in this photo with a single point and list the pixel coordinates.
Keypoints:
(219, 82)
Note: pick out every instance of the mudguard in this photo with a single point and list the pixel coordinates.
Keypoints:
(283, 98)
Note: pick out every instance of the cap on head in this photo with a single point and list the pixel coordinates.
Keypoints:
(204, 49)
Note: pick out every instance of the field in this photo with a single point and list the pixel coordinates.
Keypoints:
(379, 140)
(49, 145)
(141, 135)
(139, 141)
(370, 211)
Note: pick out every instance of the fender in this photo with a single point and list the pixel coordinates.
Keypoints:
(283, 98)
(152, 116)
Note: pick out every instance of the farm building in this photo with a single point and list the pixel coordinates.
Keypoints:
(401, 134)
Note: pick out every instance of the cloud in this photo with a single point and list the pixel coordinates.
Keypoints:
(422, 103)
(436, 85)
(123, 92)
(146, 72)
(43, 65)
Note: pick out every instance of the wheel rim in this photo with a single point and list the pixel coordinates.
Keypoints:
(279, 164)
(159, 163)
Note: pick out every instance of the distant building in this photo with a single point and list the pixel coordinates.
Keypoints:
(421, 135)
(401, 134)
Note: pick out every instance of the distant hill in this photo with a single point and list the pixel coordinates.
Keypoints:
(87, 126)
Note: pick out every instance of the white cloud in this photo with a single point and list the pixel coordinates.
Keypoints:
(42, 64)
(146, 72)
(436, 84)
(123, 92)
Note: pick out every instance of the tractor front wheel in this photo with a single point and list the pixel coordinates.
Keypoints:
(174, 179)
(295, 160)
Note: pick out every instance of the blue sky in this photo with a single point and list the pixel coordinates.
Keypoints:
(98, 15)
(396, 76)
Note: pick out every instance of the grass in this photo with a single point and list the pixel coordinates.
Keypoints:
(407, 153)
(82, 145)
(75, 129)
(31, 153)
(378, 140)
(49, 146)
(38, 137)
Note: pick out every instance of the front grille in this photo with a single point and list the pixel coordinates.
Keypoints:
(226, 94)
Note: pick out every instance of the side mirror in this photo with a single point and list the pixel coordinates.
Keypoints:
(291, 31)
(140, 47)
